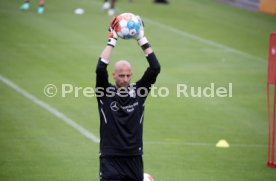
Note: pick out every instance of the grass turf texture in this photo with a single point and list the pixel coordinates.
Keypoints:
(197, 42)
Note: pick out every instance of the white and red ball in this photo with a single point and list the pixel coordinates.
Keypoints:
(129, 26)
(148, 177)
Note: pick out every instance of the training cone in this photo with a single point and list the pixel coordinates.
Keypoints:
(222, 144)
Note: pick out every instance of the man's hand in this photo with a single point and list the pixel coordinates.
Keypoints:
(112, 35)
(113, 23)
(141, 39)
(141, 32)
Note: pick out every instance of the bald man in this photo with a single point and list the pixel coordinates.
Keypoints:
(121, 110)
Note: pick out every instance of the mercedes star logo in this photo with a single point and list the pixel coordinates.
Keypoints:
(114, 106)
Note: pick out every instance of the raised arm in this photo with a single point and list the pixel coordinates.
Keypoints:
(101, 70)
(154, 68)
(151, 73)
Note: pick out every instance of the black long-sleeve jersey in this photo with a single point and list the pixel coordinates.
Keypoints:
(122, 113)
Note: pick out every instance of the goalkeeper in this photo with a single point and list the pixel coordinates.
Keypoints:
(121, 111)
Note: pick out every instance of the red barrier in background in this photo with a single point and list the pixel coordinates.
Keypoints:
(271, 109)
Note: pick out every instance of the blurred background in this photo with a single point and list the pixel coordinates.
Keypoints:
(198, 42)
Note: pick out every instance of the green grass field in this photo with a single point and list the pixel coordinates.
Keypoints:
(198, 42)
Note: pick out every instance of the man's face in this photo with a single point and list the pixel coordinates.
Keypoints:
(122, 74)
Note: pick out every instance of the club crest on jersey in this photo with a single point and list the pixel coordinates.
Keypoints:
(132, 93)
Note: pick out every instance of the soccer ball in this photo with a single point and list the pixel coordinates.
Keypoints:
(129, 25)
(148, 177)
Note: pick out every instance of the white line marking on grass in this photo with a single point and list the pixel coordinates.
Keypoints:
(50, 109)
(202, 40)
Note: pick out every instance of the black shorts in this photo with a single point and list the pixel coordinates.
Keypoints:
(119, 168)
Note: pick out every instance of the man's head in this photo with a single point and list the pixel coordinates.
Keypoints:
(122, 73)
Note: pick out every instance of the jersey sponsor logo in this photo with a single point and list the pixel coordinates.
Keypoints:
(114, 106)
(130, 108)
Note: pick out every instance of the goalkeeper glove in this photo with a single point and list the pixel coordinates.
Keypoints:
(141, 39)
(112, 35)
